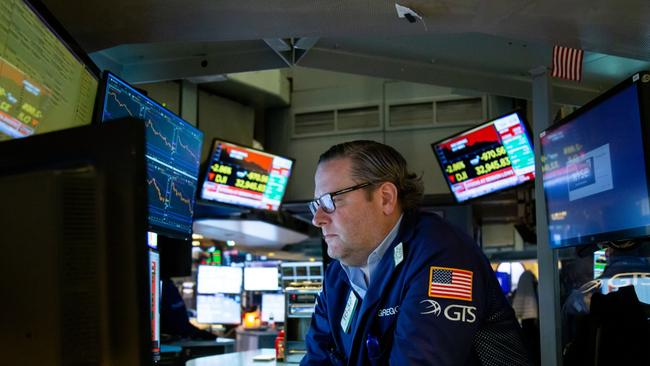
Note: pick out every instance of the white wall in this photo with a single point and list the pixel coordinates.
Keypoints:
(225, 119)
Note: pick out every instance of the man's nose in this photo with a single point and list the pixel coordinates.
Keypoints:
(320, 217)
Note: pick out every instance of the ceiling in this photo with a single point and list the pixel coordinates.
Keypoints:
(489, 46)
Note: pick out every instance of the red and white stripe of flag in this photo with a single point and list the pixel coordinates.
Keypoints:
(450, 283)
(567, 63)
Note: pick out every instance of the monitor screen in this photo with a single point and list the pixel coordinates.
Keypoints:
(219, 279)
(594, 165)
(489, 158)
(243, 176)
(47, 82)
(273, 308)
(218, 309)
(261, 279)
(173, 154)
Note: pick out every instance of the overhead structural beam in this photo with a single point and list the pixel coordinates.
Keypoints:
(291, 50)
(301, 46)
(441, 75)
(202, 69)
(282, 47)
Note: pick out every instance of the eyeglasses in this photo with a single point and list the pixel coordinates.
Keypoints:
(326, 201)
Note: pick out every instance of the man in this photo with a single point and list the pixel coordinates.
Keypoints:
(407, 289)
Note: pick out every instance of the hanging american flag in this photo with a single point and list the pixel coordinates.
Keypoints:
(450, 283)
(567, 63)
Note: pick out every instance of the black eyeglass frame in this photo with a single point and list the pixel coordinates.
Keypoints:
(315, 204)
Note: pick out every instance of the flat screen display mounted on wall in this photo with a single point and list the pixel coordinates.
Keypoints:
(243, 176)
(595, 168)
(489, 158)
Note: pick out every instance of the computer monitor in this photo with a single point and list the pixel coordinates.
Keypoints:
(218, 309)
(261, 279)
(489, 158)
(273, 308)
(76, 199)
(154, 290)
(219, 280)
(173, 155)
(595, 164)
(47, 82)
(242, 176)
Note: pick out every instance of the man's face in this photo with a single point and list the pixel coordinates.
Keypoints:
(352, 231)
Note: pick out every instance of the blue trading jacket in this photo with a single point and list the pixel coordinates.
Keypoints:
(437, 302)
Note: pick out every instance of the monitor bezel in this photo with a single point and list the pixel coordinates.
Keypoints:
(101, 95)
(641, 79)
(522, 118)
(204, 173)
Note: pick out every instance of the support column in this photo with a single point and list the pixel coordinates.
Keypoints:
(549, 281)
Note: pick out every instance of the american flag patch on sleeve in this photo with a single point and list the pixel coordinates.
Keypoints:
(450, 283)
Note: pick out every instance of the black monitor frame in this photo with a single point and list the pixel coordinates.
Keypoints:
(522, 117)
(204, 173)
(642, 81)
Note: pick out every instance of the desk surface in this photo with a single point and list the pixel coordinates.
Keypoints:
(244, 358)
(194, 343)
(255, 331)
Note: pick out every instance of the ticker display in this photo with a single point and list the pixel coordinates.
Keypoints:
(243, 176)
(493, 156)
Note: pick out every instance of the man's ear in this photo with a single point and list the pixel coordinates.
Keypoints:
(388, 195)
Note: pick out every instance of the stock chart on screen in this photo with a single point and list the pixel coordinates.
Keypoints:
(173, 154)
